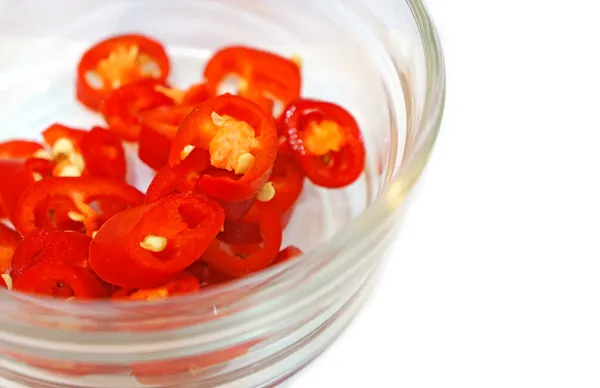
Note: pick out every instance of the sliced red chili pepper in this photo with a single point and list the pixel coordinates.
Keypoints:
(229, 260)
(183, 178)
(240, 232)
(118, 61)
(9, 241)
(17, 175)
(195, 94)
(60, 280)
(178, 179)
(103, 154)
(183, 283)
(123, 106)
(287, 254)
(147, 246)
(16, 149)
(82, 192)
(288, 181)
(262, 73)
(326, 142)
(49, 246)
(56, 132)
(158, 128)
(242, 142)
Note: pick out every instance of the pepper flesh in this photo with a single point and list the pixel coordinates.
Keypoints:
(189, 222)
(80, 192)
(118, 61)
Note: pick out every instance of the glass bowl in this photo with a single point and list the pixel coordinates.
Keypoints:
(380, 59)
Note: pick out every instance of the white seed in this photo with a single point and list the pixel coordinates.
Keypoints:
(37, 177)
(149, 67)
(74, 216)
(94, 233)
(8, 280)
(267, 193)
(223, 228)
(134, 51)
(244, 163)
(94, 80)
(77, 160)
(297, 59)
(217, 119)
(42, 154)
(174, 94)
(186, 151)
(70, 171)
(62, 146)
(154, 243)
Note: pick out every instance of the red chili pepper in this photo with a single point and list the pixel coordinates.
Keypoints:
(183, 283)
(158, 128)
(195, 94)
(118, 61)
(58, 131)
(49, 246)
(16, 149)
(123, 106)
(288, 182)
(244, 261)
(82, 192)
(287, 254)
(9, 241)
(60, 280)
(180, 179)
(147, 246)
(17, 175)
(326, 142)
(103, 154)
(263, 73)
(242, 142)
(184, 177)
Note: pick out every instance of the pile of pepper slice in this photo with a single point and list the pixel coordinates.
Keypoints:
(229, 172)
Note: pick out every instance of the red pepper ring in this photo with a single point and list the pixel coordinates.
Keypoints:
(50, 246)
(183, 283)
(80, 191)
(146, 246)
(19, 149)
(17, 175)
(158, 128)
(9, 242)
(58, 131)
(117, 61)
(325, 141)
(200, 130)
(123, 106)
(225, 259)
(266, 74)
(60, 281)
(103, 154)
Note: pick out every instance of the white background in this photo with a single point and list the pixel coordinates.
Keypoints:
(497, 279)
